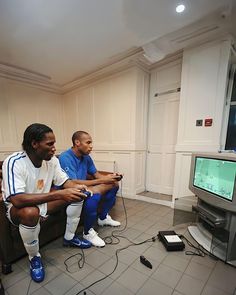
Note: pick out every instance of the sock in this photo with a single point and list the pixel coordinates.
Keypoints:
(30, 239)
(90, 211)
(109, 201)
(73, 212)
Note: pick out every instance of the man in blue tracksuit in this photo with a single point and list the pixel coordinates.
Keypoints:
(77, 164)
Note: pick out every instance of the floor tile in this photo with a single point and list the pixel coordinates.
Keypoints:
(12, 278)
(127, 256)
(198, 271)
(155, 253)
(78, 288)
(101, 286)
(95, 259)
(209, 290)
(109, 266)
(176, 262)
(131, 233)
(189, 285)
(152, 287)
(188, 274)
(41, 291)
(132, 279)
(23, 287)
(176, 293)
(206, 260)
(117, 289)
(223, 277)
(167, 275)
(144, 269)
(61, 284)
(79, 273)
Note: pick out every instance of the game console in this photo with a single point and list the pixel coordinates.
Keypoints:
(171, 240)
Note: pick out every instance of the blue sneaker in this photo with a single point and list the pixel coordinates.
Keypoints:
(77, 242)
(36, 269)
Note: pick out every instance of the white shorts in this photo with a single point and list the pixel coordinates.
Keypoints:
(43, 208)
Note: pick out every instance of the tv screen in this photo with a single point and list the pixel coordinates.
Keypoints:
(216, 176)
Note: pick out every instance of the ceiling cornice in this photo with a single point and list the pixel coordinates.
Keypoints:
(117, 64)
(28, 77)
(132, 58)
(108, 70)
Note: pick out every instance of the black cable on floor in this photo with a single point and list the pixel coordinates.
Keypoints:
(110, 240)
(117, 262)
(81, 261)
(200, 251)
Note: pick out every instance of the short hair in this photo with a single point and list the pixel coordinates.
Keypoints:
(35, 132)
(78, 135)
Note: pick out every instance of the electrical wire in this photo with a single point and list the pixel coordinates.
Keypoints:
(110, 241)
(117, 262)
(199, 250)
(80, 262)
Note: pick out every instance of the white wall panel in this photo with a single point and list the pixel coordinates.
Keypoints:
(156, 130)
(102, 113)
(104, 161)
(125, 165)
(163, 123)
(182, 173)
(7, 125)
(21, 106)
(112, 110)
(203, 95)
(140, 171)
(141, 114)
(169, 167)
(123, 100)
(172, 120)
(70, 115)
(154, 172)
(85, 111)
(203, 92)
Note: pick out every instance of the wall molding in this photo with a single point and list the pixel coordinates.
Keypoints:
(28, 77)
(130, 59)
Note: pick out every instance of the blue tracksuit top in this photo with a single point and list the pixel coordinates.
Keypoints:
(77, 168)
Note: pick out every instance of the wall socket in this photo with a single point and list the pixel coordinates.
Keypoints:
(199, 122)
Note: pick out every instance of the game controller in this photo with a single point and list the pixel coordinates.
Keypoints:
(119, 176)
(87, 193)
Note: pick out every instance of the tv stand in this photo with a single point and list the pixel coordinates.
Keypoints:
(215, 231)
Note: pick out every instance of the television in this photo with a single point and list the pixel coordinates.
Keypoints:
(212, 179)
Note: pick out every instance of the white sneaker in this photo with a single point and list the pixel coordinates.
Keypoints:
(108, 221)
(93, 237)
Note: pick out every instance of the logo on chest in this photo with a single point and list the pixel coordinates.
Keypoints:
(40, 184)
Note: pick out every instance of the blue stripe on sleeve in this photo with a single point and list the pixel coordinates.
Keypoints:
(19, 155)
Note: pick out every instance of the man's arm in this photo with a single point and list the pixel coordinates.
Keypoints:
(68, 195)
(99, 178)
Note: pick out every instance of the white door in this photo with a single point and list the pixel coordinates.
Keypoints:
(163, 128)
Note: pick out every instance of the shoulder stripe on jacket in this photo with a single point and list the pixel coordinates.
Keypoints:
(12, 160)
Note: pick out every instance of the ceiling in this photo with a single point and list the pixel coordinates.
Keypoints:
(67, 39)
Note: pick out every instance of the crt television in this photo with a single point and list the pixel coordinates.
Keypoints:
(212, 179)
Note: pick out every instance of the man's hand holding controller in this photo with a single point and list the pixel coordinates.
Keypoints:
(118, 176)
(84, 190)
(87, 193)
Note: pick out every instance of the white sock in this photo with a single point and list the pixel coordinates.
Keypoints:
(30, 239)
(73, 212)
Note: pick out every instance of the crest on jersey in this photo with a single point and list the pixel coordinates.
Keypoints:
(40, 184)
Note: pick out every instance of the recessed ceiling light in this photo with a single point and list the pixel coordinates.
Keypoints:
(180, 8)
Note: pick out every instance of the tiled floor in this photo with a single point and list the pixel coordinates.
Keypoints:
(172, 273)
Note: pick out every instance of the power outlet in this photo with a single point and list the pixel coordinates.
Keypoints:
(199, 122)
